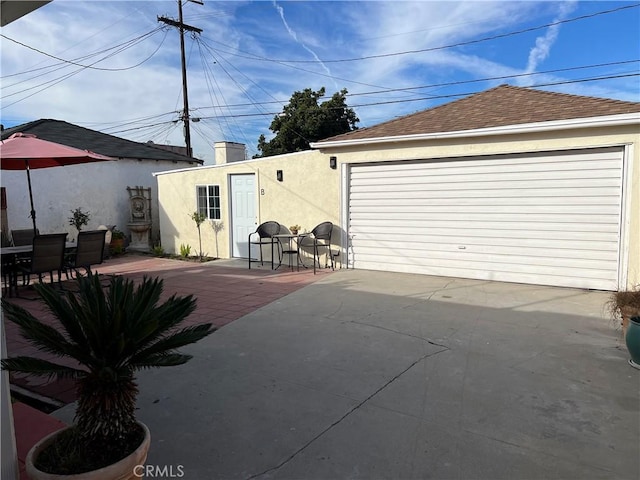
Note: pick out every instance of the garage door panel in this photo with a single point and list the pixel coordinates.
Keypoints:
(472, 197)
(487, 185)
(475, 178)
(593, 258)
(409, 219)
(574, 248)
(519, 209)
(553, 215)
(521, 235)
(597, 160)
(519, 228)
(481, 203)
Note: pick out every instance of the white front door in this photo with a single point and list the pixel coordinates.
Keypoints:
(243, 212)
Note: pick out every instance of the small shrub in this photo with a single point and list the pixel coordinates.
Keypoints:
(623, 305)
(79, 218)
(199, 218)
(158, 251)
(117, 234)
(185, 250)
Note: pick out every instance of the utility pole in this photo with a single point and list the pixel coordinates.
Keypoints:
(182, 27)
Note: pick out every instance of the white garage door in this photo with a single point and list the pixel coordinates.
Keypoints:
(549, 219)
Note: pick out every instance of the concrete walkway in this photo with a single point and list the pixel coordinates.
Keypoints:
(370, 375)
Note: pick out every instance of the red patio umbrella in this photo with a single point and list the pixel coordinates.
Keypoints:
(23, 151)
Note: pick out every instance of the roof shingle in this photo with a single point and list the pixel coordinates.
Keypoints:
(86, 139)
(496, 107)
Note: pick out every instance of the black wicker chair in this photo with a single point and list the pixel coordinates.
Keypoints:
(264, 235)
(321, 235)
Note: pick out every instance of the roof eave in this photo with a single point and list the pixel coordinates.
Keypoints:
(167, 160)
(590, 122)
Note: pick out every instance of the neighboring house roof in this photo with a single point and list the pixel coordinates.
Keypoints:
(496, 107)
(98, 142)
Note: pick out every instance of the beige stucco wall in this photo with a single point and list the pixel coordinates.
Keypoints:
(628, 136)
(308, 196)
(311, 191)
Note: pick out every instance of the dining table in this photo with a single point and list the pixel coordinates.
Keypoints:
(290, 245)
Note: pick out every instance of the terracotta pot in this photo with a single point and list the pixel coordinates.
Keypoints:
(125, 469)
(116, 245)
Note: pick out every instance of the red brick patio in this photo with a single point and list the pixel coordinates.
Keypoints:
(224, 293)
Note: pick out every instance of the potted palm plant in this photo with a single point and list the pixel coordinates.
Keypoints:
(108, 333)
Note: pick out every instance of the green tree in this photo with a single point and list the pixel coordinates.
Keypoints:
(303, 120)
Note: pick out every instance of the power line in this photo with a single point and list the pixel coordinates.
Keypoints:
(453, 95)
(128, 122)
(502, 77)
(144, 126)
(55, 81)
(287, 63)
(540, 85)
(442, 47)
(446, 84)
(71, 62)
(254, 103)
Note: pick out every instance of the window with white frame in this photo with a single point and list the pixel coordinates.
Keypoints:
(209, 201)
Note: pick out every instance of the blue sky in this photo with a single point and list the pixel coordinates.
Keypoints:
(394, 58)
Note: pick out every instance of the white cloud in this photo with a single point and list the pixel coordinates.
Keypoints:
(241, 43)
(541, 51)
(293, 35)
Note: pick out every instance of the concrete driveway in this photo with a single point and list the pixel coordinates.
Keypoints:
(370, 375)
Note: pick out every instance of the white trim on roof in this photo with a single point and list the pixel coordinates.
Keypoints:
(602, 121)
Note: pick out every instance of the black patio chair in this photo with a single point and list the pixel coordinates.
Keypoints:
(264, 235)
(20, 237)
(23, 236)
(47, 256)
(90, 251)
(8, 273)
(321, 236)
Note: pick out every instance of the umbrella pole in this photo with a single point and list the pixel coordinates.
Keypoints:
(33, 210)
